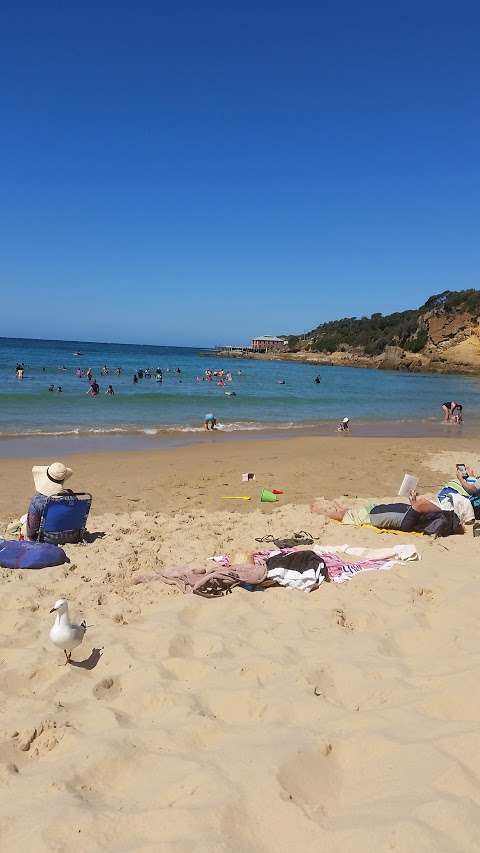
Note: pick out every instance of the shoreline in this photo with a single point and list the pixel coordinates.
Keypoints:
(124, 440)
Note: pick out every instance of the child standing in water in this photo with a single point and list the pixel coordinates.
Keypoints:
(210, 421)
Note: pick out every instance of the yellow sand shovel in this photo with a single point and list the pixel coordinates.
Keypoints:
(236, 497)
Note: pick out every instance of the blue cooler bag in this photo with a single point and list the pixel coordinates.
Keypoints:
(30, 555)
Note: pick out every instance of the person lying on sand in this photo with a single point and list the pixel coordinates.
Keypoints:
(420, 516)
(463, 491)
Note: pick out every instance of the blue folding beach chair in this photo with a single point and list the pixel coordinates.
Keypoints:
(64, 518)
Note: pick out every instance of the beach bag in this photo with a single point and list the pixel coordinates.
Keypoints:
(30, 555)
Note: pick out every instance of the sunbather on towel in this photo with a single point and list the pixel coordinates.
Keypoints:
(49, 480)
(467, 483)
(420, 516)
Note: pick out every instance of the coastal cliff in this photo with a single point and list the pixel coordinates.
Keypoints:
(441, 336)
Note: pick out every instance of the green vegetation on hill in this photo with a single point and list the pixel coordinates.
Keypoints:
(405, 329)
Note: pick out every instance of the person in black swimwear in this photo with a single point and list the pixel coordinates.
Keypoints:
(452, 412)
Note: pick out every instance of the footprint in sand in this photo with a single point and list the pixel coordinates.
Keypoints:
(342, 620)
(422, 594)
(310, 780)
(180, 646)
(106, 689)
(40, 739)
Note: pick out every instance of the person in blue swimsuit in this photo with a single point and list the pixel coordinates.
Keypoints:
(210, 421)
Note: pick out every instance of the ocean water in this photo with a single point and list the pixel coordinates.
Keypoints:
(178, 406)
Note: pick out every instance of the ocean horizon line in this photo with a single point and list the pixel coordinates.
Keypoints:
(206, 347)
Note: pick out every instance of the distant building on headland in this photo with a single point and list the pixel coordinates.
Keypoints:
(262, 344)
(268, 343)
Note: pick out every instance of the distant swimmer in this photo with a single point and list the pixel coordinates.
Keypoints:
(110, 391)
(280, 381)
(135, 378)
(317, 380)
(59, 390)
(94, 389)
(89, 374)
(344, 426)
(231, 393)
(51, 387)
(453, 412)
(210, 421)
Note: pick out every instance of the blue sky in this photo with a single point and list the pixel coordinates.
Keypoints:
(178, 173)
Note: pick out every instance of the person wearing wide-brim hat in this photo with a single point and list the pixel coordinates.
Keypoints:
(344, 425)
(49, 480)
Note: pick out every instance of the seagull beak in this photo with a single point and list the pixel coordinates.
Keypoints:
(53, 610)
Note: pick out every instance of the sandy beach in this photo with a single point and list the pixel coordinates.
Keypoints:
(341, 720)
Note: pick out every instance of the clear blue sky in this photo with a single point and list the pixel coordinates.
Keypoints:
(199, 173)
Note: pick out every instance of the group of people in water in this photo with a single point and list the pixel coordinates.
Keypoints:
(150, 373)
(452, 409)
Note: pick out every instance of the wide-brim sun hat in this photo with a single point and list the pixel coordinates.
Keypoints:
(49, 479)
(346, 420)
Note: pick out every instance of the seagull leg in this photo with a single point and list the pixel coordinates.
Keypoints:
(68, 655)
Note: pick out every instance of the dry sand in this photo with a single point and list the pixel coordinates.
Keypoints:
(343, 720)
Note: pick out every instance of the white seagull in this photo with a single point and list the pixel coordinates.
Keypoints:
(62, 633)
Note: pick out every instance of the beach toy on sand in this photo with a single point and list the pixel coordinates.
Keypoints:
(409, 482)
(236, 497)
(267, 496)
(277, 492)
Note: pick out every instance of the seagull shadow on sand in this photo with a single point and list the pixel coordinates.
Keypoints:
(90, 662)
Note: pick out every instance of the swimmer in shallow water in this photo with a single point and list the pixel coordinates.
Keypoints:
(344, 426)
(210, 421)
(453, 412)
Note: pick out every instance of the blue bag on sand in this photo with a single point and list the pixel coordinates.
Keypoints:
(30, 555)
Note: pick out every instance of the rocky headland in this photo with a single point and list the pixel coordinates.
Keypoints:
(442, 336)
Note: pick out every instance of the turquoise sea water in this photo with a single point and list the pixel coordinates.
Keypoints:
(178, 405)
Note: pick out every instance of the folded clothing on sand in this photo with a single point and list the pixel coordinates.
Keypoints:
(303, 570)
